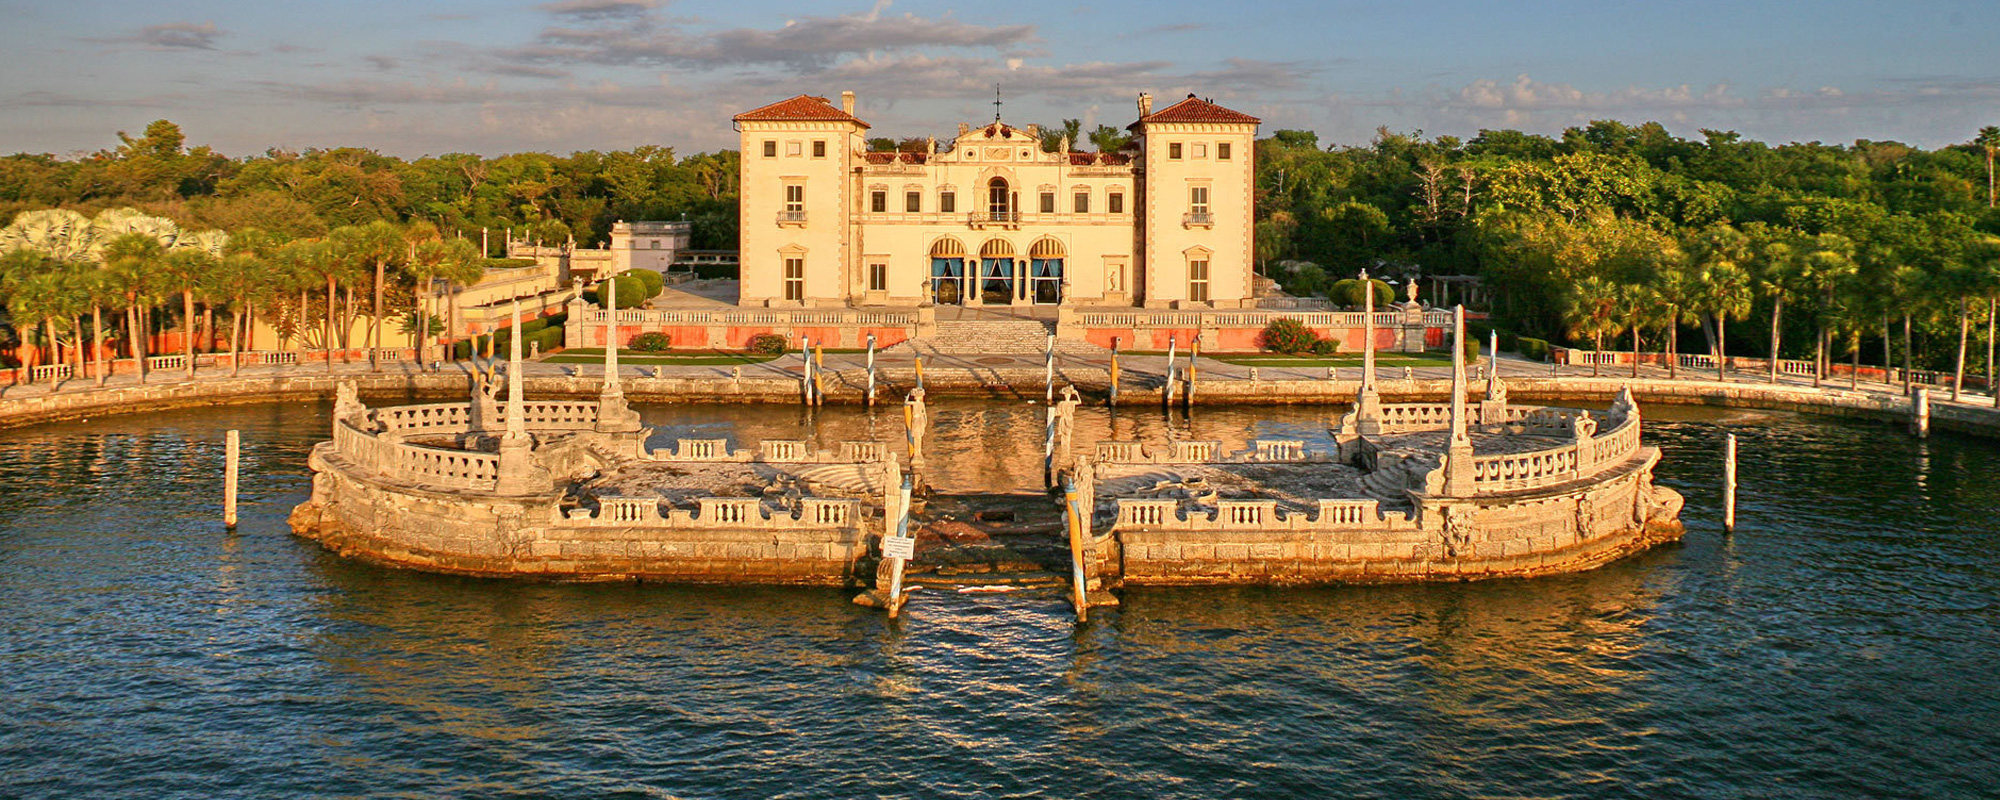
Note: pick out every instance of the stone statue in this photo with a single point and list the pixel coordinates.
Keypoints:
(347, 405)
(1586, 516)
(916, 420)
(1585, 426)
(1066, 423)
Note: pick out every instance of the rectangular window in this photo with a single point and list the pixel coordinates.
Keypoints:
(1083, 202)
(1115, 203)
(819, 148)
(1200, 149)
(1222, 151)
(795, 279)
(1198, 281)
(794, 148)
(878, 277)
(1198, 199)
(947, 202)
(878, 201)
(770, 148)
(795, 197)
(1048, 202)
(656, 245)
(913, 202)
(1174, 151)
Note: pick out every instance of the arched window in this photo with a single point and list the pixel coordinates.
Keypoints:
(999, 200)
(996, 271)
(1046, 247)
(948, 271)
(948, 247)
(996, 248)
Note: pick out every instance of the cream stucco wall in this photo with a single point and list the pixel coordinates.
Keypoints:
(1172, 238)
(1140, 253)
(820, 237)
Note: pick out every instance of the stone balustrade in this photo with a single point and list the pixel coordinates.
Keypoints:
(747, 513)
(1289, 451)
(770, 317)
(432, 418)
(1331, 515)
(556, 415)
(410, 463)
(1414, 417)
(1252, 318)
(772, 451)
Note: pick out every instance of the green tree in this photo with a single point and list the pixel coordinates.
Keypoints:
(1591, 310)
(1988, 141)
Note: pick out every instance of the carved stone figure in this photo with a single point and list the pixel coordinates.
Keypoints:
(1586, 516)
(347, 405)
(1457, 532)
(1585, 426)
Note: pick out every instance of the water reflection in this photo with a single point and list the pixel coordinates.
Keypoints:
(1837, 644)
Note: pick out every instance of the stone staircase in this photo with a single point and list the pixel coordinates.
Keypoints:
(1013, 337)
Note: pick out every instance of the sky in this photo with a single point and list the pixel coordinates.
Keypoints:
(427, 77)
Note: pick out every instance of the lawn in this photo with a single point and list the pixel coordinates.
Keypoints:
(1343, 360)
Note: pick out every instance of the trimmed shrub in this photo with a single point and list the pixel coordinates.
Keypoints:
(651, 280)
(1287, 335)
(710, 271)
(1325, 347)
(650, 342)
(1472, 348)
(631, 291)
(769, 344)
(1347, 292)
(1535, 349)
(509, 263)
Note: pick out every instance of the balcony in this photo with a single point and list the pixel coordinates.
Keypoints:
(1198, 219)
(796, 219)
(987, 219)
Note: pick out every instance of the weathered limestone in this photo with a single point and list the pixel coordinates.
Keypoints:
(389, 488)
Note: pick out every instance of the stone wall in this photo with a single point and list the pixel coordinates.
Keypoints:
(1520, 534)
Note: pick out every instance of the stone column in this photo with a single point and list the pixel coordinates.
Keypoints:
(1367, 401)
(519, 472)
(1458, 473)
(613, 415)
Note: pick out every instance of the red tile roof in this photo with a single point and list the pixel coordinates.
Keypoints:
(804, 107)
(1195, 109)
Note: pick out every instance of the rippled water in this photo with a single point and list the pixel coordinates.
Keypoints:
(1841, 644)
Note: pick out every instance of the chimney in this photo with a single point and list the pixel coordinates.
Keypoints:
(1145, 104)
(963, 129)
(847, 103)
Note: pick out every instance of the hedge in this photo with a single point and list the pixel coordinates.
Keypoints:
(710, 271)
(1347, 292)
(549, 338)
(1535, 349)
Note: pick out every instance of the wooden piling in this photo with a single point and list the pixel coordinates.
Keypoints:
(895, 599)
(1920, 417)
(1077, 524)
(233, 453)
(871, 370)
(1113, 395)
(1049, 372)
(1729, 484)
(819, 374)
(1194, 352)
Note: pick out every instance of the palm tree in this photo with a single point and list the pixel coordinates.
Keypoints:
(1724, 292)
(1643, 309)
(377, 243)
(452, 260)
(1827, 261)
(1973, 276)
(1591, 310)
(185, 269)
(131, 260)
(1989, 141)
(1675, 290)
(1777, 272)
(1722, 286)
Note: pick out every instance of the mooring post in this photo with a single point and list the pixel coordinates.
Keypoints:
(1112, 398)
(234, 451)
(819, 374)
(920, 372)
(871, 370)
(899, 548)
(1194, 352)
(805, 376)
(1073, 507)
(1167, 391)
(1729, 484)
(1049, 449)
(1049, 372)
(1920, 418)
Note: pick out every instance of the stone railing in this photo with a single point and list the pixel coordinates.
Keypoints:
(746, 513)
(1414, 417)
(434, 418)
(446, 468)
(1547, 467)
(44, 372)
(592, 315)
(1254, 318)
(1331, 515)
(556, 415)
(772, 451)
(1284, 451)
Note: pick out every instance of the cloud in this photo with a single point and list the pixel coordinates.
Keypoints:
(805, 43)
(383, 63)
(58, 100)
(1158, 30)
(599, 9)
(174, 36)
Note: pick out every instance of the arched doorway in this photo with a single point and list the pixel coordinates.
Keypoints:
(1045, 269)
(948, 271)
(996, 272)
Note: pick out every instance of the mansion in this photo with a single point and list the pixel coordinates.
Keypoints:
(990, 219)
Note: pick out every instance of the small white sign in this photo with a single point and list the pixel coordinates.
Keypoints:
(903, 547)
